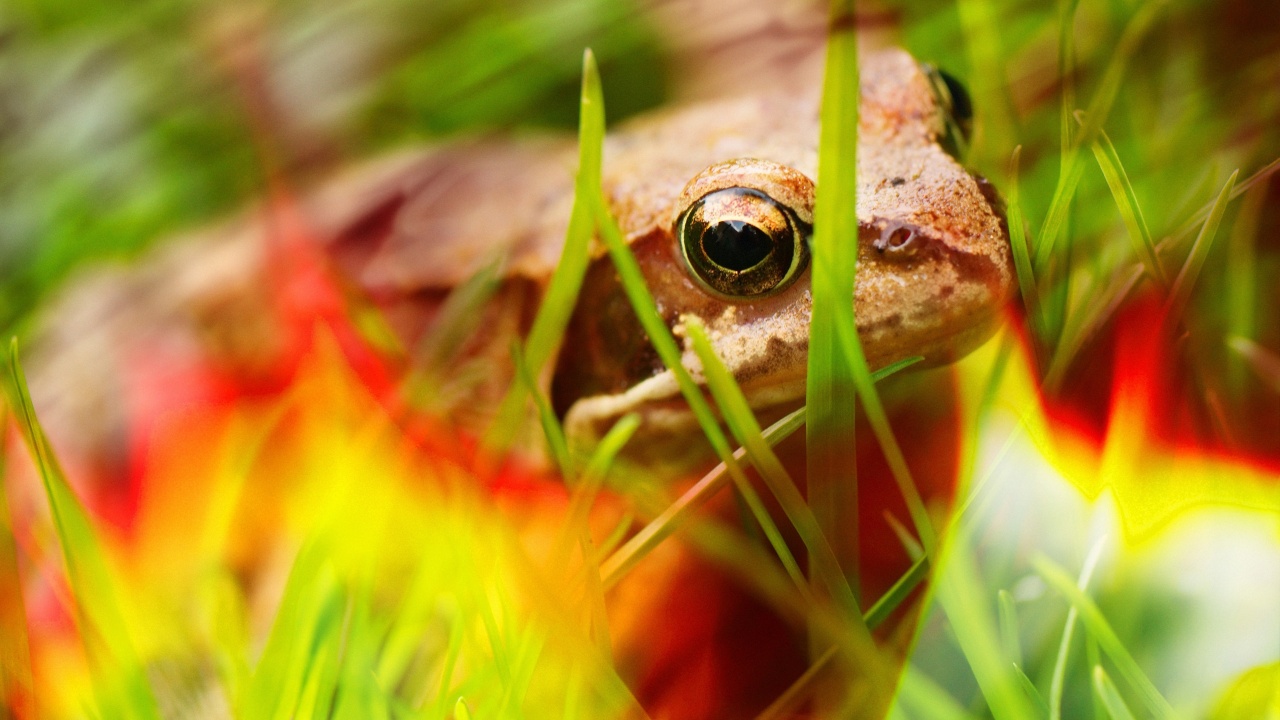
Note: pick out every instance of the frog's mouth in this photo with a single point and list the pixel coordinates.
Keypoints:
(662, 407)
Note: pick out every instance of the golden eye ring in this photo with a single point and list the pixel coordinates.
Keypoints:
(741, 244)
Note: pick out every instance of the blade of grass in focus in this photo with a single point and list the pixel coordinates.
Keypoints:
(838, 371)
(1180, 293)
(121, 682)
(737, 414)
(1127, 203)
(562, 292)
(1067, 74)
(1071, 169)
(678, 512)
(1241, 296)
(879, 421)
(1018, 242)
(633, 284)
(829, 389)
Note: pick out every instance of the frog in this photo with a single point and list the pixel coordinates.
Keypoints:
(716, 202)
(711, 196)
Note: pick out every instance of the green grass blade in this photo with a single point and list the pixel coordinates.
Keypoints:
(1029, 688)
(456, 319)
(551, 428)
(621, 561)
(309, 618)
(1109, 695)
(1093, 658)
(1264, 363)
(1071, 169)
(1085, 323)
(737, 414)
(914, 549)
(879, 421)
(829, 391)
(897, 594)
(1067, 73)
(610, 445)
(562, 292)
(1127, 203)
(1008, 615)
(633, 284)
(927, 699)
(1057, 683)
(1101, 631)
(1113, 76)
(120, 679)
(1180, 293)
(17, 690)
(1059, 207)
(1018, 242)
(965, 602)
(1240, 301)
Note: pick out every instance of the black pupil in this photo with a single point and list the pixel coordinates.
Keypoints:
(961, 104)
(736, 245)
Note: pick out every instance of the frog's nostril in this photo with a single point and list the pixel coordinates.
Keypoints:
(897, 240)
(900, 237)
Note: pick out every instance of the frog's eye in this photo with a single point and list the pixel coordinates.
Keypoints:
(742, 244)
(957, 108)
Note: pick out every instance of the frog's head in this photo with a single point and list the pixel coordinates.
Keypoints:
(719, 214)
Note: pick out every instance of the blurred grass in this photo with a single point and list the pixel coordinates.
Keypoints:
(121, 122)
(120, 684)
